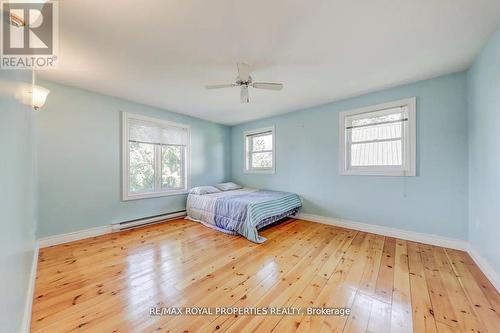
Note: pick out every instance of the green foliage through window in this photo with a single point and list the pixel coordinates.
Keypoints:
(171, 166)
(142, 169)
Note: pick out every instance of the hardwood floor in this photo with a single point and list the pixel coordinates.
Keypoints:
(109, 283)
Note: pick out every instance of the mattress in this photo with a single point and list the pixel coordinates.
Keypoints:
(242, 211)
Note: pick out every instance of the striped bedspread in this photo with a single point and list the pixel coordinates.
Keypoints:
(242, 211)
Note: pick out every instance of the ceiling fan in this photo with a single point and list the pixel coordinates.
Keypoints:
(244, 80)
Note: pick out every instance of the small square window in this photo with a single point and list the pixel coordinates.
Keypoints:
(379, 140)
(259, 151)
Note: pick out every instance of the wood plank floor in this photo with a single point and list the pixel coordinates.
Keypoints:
(109, 283)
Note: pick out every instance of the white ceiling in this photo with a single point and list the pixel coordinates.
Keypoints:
(162, 53)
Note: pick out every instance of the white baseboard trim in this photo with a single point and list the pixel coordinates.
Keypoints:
(74, 236)
(414, 236)
(107, 229)
(485, 267)
(31, 291)
(451, 243)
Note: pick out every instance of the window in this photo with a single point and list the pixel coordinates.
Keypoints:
(379, 140)
(155, 157)
(259, 150)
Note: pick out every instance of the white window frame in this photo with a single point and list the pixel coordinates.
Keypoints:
(126, 194)
(409, 142)
(247, 154)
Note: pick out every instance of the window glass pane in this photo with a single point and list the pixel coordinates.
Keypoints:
(248, 141)
(262, 160)
(376, 132)
(262, 142)
(172, 167)
(370, 119)
(142, 170)
(387, 153)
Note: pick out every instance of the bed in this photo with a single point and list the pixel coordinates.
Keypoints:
(242, 211)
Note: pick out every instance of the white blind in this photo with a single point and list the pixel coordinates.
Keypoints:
(149, 132)
(376, 138)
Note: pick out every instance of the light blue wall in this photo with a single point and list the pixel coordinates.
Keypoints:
(456, 193)
(307, 162)
(484, 152)
(17, 200)
(80, 166)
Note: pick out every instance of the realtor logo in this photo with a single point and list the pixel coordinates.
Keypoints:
(29, 34)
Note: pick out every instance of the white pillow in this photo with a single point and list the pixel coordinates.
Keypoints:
(201, 190)
(228, 186)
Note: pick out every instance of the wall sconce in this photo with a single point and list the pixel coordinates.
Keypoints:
(32, 95)
(39, 96)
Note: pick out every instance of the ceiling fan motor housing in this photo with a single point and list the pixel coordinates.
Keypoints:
(244, 81)
(240, 82)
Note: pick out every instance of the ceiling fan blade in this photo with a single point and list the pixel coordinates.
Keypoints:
(244, 95)
(243, 71)
(218, 86)
(267, 85)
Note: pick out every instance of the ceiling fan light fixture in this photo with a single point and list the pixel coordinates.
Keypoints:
(244, 95)
(244, 80)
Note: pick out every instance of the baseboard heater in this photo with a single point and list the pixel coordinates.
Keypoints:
(125, 225)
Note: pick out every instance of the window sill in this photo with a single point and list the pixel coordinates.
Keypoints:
(129, 197)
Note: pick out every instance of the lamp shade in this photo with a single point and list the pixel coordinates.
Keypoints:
(39, 96)
(33, 95)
